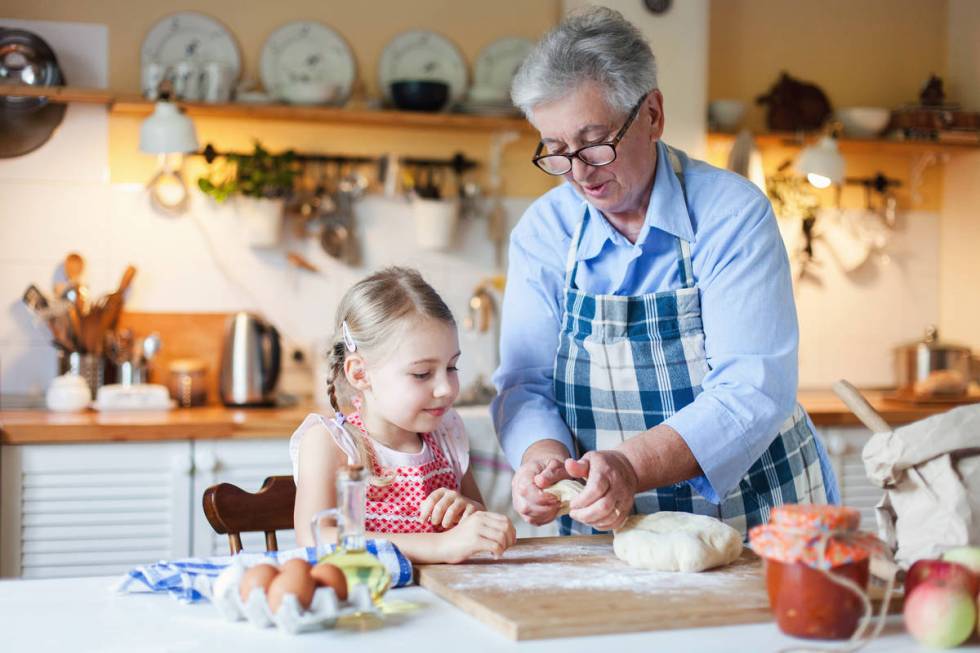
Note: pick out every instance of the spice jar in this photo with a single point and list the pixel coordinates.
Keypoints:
(187, 382)
(801, 546)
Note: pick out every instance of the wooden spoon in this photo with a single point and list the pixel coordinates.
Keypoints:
(74, 267)
(113, 302)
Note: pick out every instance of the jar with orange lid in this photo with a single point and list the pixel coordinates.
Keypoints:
(802, 545)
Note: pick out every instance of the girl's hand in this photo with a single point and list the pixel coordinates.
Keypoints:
(446, 508)
(479, 532)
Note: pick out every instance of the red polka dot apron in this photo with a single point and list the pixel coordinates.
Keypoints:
(394, 508)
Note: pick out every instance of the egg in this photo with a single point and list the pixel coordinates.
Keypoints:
(328, 575)
(260, 575)
(294, 578)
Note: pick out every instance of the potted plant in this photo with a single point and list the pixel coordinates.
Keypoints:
(263, 180)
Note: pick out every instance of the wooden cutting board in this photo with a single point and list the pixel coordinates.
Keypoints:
(571, 586)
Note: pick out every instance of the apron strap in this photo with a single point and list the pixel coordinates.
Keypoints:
(685, 267)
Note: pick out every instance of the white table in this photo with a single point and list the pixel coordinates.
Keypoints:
(82, 614)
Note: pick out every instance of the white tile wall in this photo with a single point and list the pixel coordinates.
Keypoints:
(52, 201)
(849, 322)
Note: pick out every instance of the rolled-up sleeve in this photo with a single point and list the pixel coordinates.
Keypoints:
(524, 410)
(751, 343)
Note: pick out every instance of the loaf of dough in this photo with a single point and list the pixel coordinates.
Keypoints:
(565, 490)
(676, 541)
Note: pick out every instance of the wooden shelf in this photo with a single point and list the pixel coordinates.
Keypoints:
(63, 94)
(138, 106)
(849, 145)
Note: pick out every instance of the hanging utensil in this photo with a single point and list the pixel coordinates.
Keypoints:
(299, 261)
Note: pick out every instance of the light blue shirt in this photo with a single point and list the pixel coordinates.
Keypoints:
(748, 313)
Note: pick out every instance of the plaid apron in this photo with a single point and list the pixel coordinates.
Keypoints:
(625, 364)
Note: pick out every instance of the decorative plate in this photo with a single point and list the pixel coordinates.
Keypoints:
(420, 54)
(192, 36)
(497, 64)
(305, 52)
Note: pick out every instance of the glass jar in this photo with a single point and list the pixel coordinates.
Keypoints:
(187, 382)
(801, 546)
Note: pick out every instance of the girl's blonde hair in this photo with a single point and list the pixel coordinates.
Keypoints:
(371, 312)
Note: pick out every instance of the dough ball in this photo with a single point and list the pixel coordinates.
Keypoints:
(565, 490)
(676, 541)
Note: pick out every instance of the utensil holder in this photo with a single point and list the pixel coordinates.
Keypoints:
(90, 367)
(435, 222)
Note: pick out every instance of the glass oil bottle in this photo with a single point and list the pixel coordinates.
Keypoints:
(359, 566)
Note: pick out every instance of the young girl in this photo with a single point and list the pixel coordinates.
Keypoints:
(393, 372)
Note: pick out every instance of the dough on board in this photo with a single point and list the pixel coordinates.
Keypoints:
(565, 490)
(676, 541)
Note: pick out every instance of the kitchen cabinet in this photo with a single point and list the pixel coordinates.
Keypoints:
(92, 509)
(844, 446)
(97, 509)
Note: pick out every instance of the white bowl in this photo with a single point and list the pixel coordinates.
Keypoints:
(309, 93)
(863, 122)
(726, 114)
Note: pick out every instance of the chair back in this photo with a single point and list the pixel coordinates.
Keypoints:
(232, 511)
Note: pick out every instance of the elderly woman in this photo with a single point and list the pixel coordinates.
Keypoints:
(649, 337)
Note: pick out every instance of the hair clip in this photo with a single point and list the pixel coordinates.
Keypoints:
(339, 418)
(348, 338)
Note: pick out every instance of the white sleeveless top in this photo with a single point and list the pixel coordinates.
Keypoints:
(450, 434)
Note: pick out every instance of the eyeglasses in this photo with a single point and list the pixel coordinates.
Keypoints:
(597, 154)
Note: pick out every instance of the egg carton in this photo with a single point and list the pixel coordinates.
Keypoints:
(324, 611)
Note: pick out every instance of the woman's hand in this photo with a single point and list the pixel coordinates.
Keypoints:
(479, 532)
(535, 506)
(610, 485)
(446, 508)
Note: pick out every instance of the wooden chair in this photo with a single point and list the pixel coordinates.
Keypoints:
(231, 510)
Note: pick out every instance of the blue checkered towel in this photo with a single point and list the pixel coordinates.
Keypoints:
(189, 579)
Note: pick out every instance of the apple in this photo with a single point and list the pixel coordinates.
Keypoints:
(968, 556)
(950, 572)
(940, 614)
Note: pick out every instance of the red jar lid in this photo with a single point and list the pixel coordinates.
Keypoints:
(796, 533)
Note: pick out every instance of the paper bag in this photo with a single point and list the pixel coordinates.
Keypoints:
(930, 473)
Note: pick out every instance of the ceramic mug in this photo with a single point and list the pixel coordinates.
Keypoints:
(153, 74)
(187, 81)
(216, 82)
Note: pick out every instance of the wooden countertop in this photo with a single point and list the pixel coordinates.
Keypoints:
(213, 422)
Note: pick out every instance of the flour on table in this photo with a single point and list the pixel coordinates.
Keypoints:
(562, 567)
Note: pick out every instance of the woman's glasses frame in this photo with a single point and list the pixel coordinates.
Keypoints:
(597, 150)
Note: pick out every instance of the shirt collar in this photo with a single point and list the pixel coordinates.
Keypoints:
(667, 211)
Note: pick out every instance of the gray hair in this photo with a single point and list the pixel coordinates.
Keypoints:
(592, 44)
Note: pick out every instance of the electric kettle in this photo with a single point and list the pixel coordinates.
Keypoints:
(250, 361)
